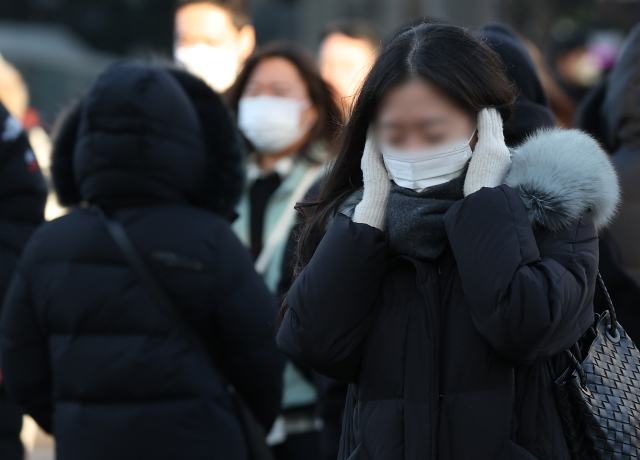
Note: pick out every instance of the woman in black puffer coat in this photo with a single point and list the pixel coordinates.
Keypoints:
(440, 294)
(84, 348)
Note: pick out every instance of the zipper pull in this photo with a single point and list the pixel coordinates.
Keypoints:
(439, 271)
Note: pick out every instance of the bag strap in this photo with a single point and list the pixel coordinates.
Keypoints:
(150, 283)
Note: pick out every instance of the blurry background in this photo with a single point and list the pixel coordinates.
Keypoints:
(59, 46)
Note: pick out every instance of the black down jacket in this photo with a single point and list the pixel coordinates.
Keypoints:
(84, 349)
(23, 194)
(447, 359)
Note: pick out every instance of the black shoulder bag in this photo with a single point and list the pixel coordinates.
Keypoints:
(598, 395)
(254, 434)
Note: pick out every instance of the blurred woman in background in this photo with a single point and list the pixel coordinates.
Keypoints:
(289, 117)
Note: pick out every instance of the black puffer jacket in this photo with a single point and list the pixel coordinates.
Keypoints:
(446, 359)
(84, 348)
(23, 194)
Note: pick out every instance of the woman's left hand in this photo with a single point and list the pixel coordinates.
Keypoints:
(491, 158)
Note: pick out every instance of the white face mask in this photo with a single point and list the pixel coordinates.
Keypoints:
(271, 123)
(424, 168)
(217, 66)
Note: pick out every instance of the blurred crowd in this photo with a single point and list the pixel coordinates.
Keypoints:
(88, 360)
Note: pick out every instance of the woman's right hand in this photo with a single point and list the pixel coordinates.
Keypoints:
(372, 210)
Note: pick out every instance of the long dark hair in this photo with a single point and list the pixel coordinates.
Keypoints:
(452, 58)
(321, 94)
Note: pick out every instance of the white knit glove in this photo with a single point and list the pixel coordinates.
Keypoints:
(372, 210)
(491, 158)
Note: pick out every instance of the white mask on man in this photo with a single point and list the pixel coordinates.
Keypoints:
(217, 66)
(271, 123)
(428, 167)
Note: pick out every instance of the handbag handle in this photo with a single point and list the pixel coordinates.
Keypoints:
(613, 329)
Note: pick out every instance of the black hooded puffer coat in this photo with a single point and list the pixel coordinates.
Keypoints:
(23, 194)
(446, 359)
(84, 349)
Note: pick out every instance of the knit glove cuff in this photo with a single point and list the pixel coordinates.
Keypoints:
(491, 158)
(372, 210)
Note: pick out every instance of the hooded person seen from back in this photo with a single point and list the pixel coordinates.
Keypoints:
(83, 347)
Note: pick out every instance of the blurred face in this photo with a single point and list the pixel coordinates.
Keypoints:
(417, 115)
(209, 45)
(344, 63)
(278, 77)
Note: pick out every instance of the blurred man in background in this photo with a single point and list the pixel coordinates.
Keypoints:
(13, 90)
(213, 38)
(346, 53)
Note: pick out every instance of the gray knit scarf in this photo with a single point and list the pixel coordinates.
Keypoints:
(415, 220)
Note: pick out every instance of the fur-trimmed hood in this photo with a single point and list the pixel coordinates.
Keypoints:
(145, 134)
(561, 175)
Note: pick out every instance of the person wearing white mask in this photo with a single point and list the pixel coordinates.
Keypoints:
(288, 117)
(212, 39)
(441, 274)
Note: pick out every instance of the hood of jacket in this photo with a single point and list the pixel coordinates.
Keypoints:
(619, 112)
(148, 135)
(531, 110)
(561, 175)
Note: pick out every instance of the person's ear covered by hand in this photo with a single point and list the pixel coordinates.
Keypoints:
(491, 158)
(372, 209)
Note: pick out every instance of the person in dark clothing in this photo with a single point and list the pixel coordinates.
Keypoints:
(609, 114)
(438, 271)
(621, 134)
(84, 349)
(531, 110)
(23, 195)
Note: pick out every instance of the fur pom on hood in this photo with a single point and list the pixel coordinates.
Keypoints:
(561, 175)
